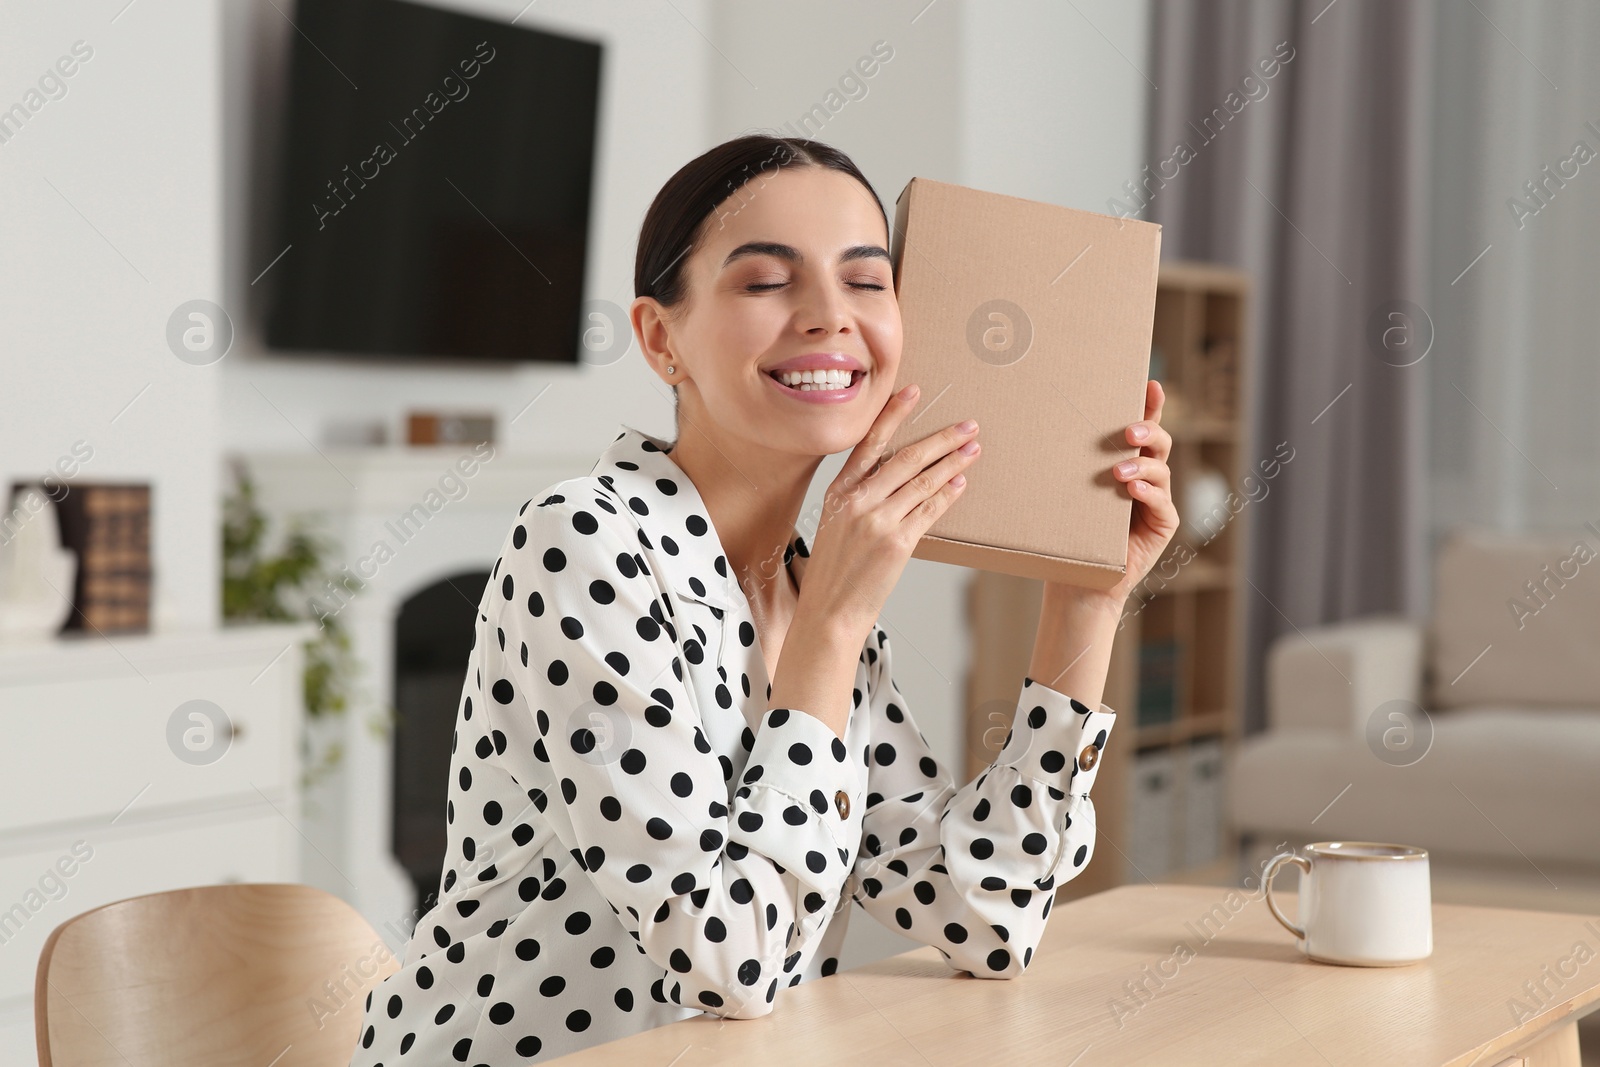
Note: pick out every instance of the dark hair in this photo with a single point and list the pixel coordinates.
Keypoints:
(675, 224)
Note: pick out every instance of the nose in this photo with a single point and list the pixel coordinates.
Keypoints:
(822, 310)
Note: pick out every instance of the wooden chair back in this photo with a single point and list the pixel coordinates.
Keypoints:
(253, 975)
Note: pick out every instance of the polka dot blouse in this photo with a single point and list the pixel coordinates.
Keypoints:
(636, 837)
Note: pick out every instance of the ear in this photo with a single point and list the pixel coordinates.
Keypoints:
(653, 328)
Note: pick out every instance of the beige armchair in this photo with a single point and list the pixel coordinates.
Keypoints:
(1476, 735)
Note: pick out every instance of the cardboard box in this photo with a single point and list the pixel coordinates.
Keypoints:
(1035, 320)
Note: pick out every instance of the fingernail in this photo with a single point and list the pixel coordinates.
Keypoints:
(1127, 469)
(969, 448)
(967, 426)
(908, 392)
(959, 480)
(1140, 431)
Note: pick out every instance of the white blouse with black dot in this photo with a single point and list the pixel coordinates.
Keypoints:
(635, 837)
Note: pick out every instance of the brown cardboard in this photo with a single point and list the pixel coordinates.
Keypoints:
(1053, 373)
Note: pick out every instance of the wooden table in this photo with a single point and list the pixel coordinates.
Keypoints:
(1238, 992)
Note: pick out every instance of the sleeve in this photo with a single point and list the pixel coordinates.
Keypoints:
(720, 895)
(972, 871)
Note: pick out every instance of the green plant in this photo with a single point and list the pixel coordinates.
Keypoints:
(263, 587)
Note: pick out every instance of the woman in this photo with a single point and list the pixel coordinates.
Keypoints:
(680, 751)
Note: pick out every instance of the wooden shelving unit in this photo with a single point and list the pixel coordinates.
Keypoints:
(1184, 626)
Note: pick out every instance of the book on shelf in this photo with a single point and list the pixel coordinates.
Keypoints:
(1158, 668)
(108, 526)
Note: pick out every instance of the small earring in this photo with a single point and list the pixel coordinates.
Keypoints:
(672, 370)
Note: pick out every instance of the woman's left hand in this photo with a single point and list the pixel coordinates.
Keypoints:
(1149, 482)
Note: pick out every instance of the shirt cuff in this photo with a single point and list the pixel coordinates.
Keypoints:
(800, 799)
(1054, 736)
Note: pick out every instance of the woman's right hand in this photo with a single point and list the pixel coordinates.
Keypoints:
(874, 514)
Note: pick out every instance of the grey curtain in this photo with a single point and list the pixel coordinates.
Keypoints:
(1312, 175)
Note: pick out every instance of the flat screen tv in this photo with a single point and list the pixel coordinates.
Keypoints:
(435, 184)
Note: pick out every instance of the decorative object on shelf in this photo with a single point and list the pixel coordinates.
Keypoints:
(1158, 671)
(36, 571)
(108, 526)
(1203, 508)
(257, 586)
(437, 428)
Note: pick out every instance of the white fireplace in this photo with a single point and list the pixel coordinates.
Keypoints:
(404, 518)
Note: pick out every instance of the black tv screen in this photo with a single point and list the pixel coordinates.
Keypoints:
(436, 174)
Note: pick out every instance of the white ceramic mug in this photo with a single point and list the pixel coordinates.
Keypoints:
(1362, 903)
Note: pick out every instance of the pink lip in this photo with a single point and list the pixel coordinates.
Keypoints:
(817, 361)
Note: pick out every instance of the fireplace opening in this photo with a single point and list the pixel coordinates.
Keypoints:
(432, 644)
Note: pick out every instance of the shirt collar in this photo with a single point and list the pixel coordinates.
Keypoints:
(663, 501)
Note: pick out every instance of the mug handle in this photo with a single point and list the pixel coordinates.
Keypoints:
(1266, 883)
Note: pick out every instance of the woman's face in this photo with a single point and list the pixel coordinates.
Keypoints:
(793, 267)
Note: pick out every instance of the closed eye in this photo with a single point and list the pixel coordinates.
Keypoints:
(762, 287)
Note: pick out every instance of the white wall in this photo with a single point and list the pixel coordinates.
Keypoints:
(1054, 97)
(110, 217)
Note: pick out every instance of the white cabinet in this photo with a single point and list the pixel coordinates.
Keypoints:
(1152, 795)
(115, 782)
(1202, 800)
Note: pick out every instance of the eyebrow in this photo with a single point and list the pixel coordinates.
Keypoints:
(792, 254)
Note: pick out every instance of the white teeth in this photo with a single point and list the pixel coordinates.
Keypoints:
(809, 380)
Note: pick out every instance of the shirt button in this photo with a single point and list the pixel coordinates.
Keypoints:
(841, 800)
(1088, 757)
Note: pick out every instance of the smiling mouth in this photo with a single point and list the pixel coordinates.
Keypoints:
(814, 387)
